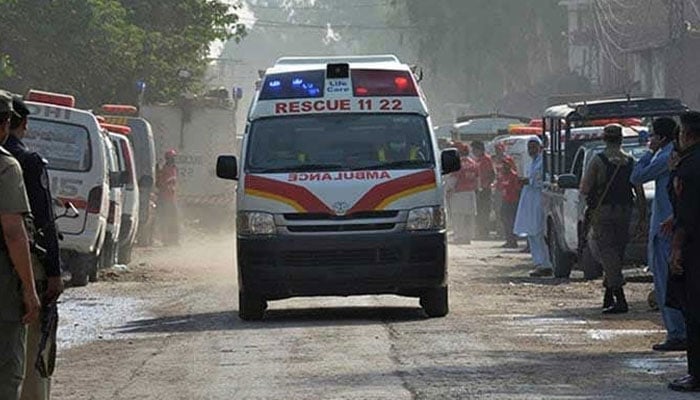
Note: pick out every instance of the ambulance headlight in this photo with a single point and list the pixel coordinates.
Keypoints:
(256, 223)
(426, 218)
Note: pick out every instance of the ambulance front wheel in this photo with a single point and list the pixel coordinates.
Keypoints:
(251, 307)
(435, 302)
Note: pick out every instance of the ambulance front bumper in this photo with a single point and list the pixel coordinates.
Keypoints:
(403, 263)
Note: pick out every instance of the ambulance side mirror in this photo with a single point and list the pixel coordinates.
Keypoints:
(450, 161)
(227, 168)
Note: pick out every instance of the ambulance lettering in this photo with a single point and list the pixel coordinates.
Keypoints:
(337, 86)
(339, 176)
(296, 107)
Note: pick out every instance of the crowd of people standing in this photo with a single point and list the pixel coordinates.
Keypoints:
(487, 183)
(612, 188)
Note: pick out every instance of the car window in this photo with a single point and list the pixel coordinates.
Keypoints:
(65, 146)
(337, 142)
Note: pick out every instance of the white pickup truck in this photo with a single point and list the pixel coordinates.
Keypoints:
(565, 213)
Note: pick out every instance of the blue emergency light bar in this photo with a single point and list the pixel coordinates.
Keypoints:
(293, 85)
(365, 82)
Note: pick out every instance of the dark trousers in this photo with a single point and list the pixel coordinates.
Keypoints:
(608, 240)
(483, 213)
(169, 222)
(508, 211)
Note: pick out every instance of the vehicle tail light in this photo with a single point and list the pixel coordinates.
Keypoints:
(128, 159)
(112, 212)
(94, 204)
(369, 82)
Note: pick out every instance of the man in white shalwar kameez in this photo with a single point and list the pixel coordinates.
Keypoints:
(530, 220)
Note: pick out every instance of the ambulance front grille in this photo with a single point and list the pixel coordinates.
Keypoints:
(341, 228)
(331, 258)
(349, 217)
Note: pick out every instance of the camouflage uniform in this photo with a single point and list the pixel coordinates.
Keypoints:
(12, 331)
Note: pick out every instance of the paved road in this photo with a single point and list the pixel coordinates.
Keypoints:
(167, 329)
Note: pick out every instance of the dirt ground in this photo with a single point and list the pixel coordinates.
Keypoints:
(167, 328)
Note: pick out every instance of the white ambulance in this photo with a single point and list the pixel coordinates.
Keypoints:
(130, 207)
(340, 190)
(117, 175)
(72, 143)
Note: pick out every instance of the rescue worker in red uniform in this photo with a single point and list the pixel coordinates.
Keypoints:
(167, 200)
(498, 158)
(487, 176)
(462, 197)
(509, 186)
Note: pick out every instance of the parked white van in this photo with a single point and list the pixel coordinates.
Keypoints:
(130, 204)
(71, 141)
(114, 217)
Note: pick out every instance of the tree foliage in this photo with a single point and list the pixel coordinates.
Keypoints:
(98, 49)
(478, 51)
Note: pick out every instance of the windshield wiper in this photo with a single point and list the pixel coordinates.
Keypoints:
(395, 165)
(300, 168)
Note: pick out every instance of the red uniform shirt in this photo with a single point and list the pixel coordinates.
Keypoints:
(486, 171)
(167, 182)
(498, 163)
(467, 176)
(510, 186)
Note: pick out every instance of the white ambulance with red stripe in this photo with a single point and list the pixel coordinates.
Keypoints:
(340, 188)
(72, 142)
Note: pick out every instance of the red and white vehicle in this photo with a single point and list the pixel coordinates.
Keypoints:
(72, 142)
(117, 181)
(340, 190)
(130, 194)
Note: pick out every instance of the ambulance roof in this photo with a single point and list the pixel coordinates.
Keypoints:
(61, 114)
(349, 84)
(294, 64)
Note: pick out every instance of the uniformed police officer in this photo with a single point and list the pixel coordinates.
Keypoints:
(47, 266)
(609, 193)
(685, 248)
(19, 303)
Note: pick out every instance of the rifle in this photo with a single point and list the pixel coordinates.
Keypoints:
(46, 357)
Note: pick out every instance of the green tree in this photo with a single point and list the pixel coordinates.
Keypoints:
(478, 51)
(98, 49)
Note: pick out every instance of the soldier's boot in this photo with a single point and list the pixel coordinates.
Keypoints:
(608, 299)
(620, 306)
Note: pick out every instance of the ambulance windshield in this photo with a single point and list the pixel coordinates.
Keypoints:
(339, 143)
(65, 146)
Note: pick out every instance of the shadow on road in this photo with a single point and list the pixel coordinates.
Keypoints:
(530, 375)
(275, 319)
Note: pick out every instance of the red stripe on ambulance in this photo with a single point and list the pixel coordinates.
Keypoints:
(379, 193)
(298, 194)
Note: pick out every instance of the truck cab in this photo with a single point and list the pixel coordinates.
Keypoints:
(340, 190)
(570, 151)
